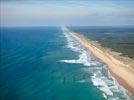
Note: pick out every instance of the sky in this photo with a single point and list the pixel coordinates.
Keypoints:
(67, 12)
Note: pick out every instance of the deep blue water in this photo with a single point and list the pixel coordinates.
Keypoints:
(42, 63)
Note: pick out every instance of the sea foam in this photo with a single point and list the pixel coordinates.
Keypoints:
(100, 76)
(84, 56)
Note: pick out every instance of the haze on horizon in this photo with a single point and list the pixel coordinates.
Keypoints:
(67, 12)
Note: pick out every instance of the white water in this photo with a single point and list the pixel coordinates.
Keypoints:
(100, 76)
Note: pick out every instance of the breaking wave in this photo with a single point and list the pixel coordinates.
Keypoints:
(100, 76)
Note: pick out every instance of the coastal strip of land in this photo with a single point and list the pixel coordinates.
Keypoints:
(121, 68)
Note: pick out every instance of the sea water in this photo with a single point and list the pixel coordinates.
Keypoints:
(46, 63)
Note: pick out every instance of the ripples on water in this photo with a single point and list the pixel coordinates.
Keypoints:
(39, 64)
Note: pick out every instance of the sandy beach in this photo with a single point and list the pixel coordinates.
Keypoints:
(122, 68)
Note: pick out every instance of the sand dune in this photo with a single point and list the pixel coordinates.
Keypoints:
(122, 68)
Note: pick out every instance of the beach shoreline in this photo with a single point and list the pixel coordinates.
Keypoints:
(120, 67)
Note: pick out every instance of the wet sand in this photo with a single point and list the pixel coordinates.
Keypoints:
(122, 68)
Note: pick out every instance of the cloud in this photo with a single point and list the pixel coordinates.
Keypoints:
(72, 12)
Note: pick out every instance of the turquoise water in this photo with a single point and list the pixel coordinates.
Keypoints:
(45, 63)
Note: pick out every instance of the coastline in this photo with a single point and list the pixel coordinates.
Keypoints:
(120, 67)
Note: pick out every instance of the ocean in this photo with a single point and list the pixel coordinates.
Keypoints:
(46, 63)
